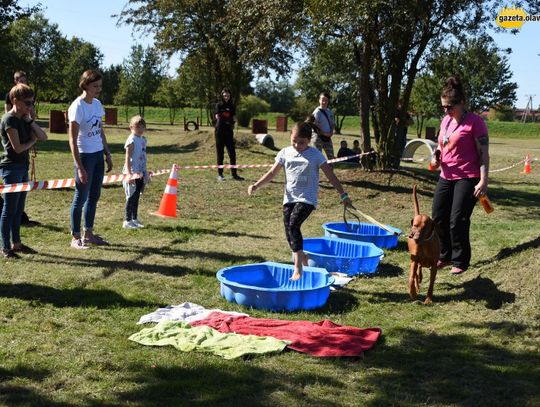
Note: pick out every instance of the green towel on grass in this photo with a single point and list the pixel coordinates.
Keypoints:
(186, 338)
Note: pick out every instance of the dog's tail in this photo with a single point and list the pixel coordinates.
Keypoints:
(415, 200)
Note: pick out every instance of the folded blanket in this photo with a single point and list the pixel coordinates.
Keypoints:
(323, 338)
(205, 339)
(186, 311)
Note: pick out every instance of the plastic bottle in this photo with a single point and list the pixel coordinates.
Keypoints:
(486, 204)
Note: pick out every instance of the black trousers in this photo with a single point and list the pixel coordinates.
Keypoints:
(225, 139)
(453, 204)
(294, 214)
(132, 203)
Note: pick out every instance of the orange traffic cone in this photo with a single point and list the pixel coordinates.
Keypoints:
(527, 166)
(167, 208)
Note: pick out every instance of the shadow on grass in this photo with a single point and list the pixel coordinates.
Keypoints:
(68, 297)
(18, 395)
(187, 232)
(478, 289)
(510, 251)
(386, 270)
(245, 385)
(515, 198)
(460, 370)
(339, 301)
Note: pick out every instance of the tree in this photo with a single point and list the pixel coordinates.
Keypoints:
(279, 94)
(79, 56)
(169, 94)
(388, 41)
(140, 78)
(42, 56)
(197, 31)
(329, 69)
(484, 69)
(425, 100)
(10, 12)
(111, 83)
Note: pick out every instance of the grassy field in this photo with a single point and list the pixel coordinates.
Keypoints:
(65, 315)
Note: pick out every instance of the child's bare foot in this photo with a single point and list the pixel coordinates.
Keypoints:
(305, 259)
(296, 275)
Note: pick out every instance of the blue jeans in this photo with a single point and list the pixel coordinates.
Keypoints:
(87, 195)
(10, 220)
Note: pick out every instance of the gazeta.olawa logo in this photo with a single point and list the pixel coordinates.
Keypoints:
(514, 17)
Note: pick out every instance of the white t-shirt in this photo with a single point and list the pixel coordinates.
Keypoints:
(301, 174)
(88, 116)
(138, 158)
(325, 124)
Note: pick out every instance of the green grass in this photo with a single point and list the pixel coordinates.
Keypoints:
(65, 316)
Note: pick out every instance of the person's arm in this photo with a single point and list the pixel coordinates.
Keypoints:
(327, 169)
(129, 155)
(108, 158)
(482, 146)
(73, 136)
(266, 178)
(37, 131)
(15, 141)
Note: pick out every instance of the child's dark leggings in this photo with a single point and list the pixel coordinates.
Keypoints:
(132, 203)
(294, 214)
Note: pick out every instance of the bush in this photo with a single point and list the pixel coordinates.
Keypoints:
(501, 114)
(248, 107)
(302, 109)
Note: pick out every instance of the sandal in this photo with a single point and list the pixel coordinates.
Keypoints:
(457, 270)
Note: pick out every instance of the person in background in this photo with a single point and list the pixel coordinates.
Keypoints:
(463, 155)
(135, 163)
(19, 133)
(324, 120)
(225, 118)
(356, 147)
(301, 163)
(18, 77)
(88, 147)
(345, 151)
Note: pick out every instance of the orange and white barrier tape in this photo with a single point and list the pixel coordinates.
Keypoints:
(109, 179)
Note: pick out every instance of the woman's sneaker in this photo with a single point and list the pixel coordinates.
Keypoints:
(128, 224)
(137, 223)
(78, 244)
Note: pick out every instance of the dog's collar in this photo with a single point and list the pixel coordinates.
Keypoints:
(430, 238)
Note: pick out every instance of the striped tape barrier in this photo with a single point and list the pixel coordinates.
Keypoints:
(109, 179)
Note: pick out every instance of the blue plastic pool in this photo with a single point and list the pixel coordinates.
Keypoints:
(267, 286)
(342, 255)
(365, 232)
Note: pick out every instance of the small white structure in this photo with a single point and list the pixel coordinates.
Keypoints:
(414, 144)
(266, 140)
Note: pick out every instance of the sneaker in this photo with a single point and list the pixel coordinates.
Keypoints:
(22, 248)
(457, 270)
(220, 178)
(137, 223)
(9, 254)
(96, 239)
(129, 224)
(238, 177)
(78, 244)
(442, 264)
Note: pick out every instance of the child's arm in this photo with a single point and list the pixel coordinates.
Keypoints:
(335, 183)
(129, 154)
(272, 172)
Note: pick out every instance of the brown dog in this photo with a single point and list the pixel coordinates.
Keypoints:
(425, 248)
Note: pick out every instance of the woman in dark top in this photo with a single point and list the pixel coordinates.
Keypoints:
(225, 118)
(19, 133)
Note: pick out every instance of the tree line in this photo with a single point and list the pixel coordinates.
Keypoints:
(378, 59)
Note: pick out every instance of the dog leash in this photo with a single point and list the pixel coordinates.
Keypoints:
(370, 219)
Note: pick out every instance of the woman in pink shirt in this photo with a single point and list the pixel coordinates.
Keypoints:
(463, 155)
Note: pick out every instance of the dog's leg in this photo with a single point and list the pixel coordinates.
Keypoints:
(413, 291)
(432, 275)
(418, 279)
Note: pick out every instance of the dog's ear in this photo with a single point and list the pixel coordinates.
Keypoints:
(412, 221)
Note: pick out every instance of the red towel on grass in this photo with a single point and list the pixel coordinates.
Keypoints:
(323, 338)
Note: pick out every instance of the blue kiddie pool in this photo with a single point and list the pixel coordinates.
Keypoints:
(365, 232)
(342, 255)
(267, 286)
